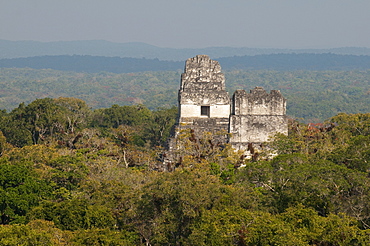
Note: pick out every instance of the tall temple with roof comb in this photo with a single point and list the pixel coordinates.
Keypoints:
(205, 106)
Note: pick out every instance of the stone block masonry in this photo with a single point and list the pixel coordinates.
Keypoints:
(256, 116)
(205, 106)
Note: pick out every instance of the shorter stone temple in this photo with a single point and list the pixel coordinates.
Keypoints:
(205, 105)
(256, 116)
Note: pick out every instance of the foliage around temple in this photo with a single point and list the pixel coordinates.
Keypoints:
(76, 176)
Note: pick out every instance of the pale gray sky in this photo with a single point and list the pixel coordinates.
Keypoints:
(191, 23)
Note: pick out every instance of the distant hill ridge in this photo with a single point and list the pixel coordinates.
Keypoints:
(16, 49)
(282, 62)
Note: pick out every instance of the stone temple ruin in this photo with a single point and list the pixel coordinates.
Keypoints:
(205, 105)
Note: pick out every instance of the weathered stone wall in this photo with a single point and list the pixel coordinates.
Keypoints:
(202, 69)
(256, 128)
(194, 111)
(204, 97)
(256, 116)
(258, 102)
(213, 125)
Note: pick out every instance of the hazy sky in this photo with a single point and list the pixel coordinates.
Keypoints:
(191, 23)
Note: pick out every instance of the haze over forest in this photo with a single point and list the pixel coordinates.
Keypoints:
(16, 49)
(84, 122)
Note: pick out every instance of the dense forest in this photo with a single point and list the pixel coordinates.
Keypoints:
(313, 96)
(71, 175)
(81, 161)
(92, 64)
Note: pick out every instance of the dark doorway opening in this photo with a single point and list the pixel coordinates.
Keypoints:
(204, 111)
